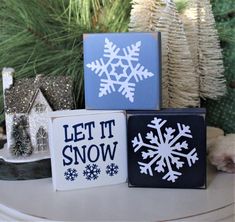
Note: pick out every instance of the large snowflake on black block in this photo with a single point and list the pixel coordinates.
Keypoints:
(164, 150)
(91, 172)
(121, 71)
(70, 174)
(112, 169)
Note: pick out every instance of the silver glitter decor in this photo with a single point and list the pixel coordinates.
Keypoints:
(56, 89)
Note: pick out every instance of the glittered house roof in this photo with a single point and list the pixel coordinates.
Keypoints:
(56, 89)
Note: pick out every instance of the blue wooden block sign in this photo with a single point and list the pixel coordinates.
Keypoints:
(122, 71)
(167, 148)
(88, 148)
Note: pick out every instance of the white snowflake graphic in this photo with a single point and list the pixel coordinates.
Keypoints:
(112, 169)
(164, 151)
(121, 71)
(70, 174)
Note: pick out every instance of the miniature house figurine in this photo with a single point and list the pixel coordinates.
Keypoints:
(26, 102)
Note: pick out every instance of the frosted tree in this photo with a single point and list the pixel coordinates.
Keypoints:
(204, 45)
(180, 83)
(183, 80)
(145, 16)
(21, 141)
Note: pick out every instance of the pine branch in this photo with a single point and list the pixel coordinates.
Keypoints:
(40, 37)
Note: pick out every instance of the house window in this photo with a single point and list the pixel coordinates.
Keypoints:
(42, 139)
(39, 108)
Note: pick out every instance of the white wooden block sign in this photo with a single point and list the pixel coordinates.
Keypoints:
(88, 148)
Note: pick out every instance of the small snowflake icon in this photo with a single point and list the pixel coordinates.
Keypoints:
(70, 174)
(112, 169)
(91, 172)
(119, 69)
(164, 151)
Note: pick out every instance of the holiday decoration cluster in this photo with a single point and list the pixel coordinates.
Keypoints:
(123, 71)
(192, 59)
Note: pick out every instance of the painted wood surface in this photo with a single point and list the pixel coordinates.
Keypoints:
(88, 148)
(122, 71)
(167, 148)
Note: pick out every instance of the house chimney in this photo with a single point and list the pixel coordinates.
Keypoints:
(7, 78)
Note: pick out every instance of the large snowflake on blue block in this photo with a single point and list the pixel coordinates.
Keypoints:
(121, 71)
(70, 174)
(163, 152)
(91, 172)
(112, 169)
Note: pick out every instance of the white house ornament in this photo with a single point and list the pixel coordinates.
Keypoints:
(167, 148)
(88, 148)
(27, 101)
(122, 67)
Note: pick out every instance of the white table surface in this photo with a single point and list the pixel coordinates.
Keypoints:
(35, 200)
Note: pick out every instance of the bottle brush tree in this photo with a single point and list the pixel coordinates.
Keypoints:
(21, 145)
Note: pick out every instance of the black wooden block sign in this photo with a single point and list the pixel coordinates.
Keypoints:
(167, 148)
